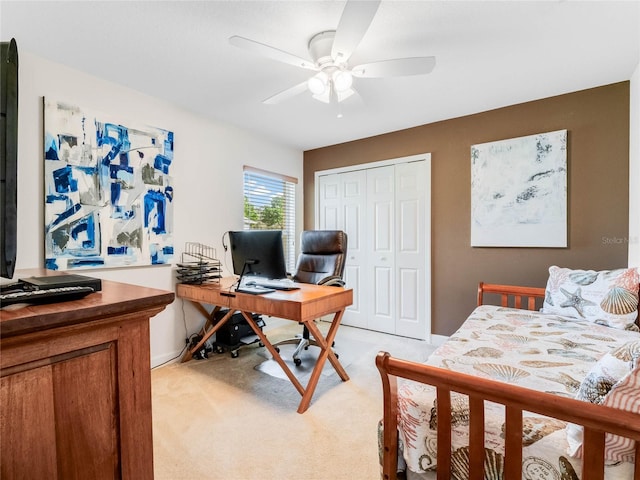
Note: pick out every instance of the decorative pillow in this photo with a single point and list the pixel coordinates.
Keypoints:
(607, 297)
(613, 381)
(624, 395)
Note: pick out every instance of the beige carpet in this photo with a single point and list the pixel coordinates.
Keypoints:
(224, 418)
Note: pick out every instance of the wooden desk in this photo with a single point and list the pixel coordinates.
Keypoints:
(304, 305)
(75, 386)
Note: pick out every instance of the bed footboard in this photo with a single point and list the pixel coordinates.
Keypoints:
(596, 419)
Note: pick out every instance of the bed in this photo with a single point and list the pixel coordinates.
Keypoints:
(521, 391)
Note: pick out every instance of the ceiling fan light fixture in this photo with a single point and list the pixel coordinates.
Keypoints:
(344, 94)
(318, 83)
(342, 80)
(324, 97)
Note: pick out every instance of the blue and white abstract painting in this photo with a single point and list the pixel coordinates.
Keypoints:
(108, 193)
(519, 192)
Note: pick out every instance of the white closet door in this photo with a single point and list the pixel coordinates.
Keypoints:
(330, 196)
(353, 208)
(342, 207)
(381, 227)
(411, 255)
(385, 210)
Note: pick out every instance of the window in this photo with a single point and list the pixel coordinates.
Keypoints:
(269, 204)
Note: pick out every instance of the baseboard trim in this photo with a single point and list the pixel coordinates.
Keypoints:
(169, 357)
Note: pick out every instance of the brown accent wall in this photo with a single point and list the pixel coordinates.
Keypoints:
(597, 121)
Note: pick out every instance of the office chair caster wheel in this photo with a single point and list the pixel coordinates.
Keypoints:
(234, 354)
(277, 349)
(297, 362)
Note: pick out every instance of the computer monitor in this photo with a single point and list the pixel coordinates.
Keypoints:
(258, 253)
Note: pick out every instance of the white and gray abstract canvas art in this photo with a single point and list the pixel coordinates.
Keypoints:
(519, 192)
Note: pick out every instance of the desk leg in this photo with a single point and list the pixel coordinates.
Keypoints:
(324, 354)
(274, 353)
(325, 343)
(207, 333)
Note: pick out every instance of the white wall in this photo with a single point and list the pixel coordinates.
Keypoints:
(634, 170)
(207, 172)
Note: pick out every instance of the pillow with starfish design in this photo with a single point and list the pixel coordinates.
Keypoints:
(606, 297)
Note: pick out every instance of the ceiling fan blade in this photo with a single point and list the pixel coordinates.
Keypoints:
(397, 67)
(286, 94)
(271, 52)
(355, 21)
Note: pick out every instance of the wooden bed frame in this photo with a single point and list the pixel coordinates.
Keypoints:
(596, 419)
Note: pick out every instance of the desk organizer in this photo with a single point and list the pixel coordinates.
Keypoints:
(198, 265)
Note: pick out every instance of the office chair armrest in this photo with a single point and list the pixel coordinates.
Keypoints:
(332, 281)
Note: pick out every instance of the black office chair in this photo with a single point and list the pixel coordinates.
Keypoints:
(322, 258)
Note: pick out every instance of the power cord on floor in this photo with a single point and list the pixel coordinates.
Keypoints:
(188, 339)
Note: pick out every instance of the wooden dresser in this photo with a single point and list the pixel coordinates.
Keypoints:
(75, 386)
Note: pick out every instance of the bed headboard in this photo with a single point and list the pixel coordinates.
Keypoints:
(512, 296)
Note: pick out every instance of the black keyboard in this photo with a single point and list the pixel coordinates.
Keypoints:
(276, 284)
(50, 295)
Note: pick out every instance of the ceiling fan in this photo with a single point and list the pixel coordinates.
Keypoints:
(330, 52)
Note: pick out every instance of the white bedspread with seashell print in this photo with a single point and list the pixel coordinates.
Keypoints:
(527, 348)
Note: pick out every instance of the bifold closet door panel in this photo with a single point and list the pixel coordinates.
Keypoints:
(411, 249)
(342, 206)
(380, 225)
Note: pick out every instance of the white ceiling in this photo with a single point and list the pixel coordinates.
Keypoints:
(489, 55)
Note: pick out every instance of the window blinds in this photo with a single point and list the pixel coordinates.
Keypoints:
(269, 204)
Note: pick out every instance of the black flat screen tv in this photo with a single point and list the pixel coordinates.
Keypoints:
(8, 157)
(259, 253)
